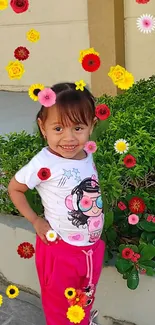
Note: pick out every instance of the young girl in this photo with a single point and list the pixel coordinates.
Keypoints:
(69, 251)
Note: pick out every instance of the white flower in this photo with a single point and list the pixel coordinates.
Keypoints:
(146, 23)
(121, 146)
(51, 235)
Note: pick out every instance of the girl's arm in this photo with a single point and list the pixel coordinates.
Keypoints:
(16, 192)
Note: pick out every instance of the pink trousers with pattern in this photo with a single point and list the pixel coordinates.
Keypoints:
(61, 266)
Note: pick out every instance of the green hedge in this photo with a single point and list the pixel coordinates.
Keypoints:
(133, 119)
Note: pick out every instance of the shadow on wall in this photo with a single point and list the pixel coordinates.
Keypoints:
(17, 112)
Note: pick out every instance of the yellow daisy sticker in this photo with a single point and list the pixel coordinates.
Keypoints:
(15, 69)
(33, 36)
(87, 51)
(75, 314)
(80, 85)
(70, 293)
(12, 291)
(34, 91)
(1, 300)
(121, 146)
(3, 4)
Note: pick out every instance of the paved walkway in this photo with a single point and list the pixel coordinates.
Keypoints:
(23, 310)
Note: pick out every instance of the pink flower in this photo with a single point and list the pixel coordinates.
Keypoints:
(149, 218)
(121, 206)
(142, 271)
(85, 203)
(90, 147)
(133, 219)
(47, 97)
(153, 219)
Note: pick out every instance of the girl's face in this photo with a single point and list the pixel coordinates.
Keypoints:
(67, 141)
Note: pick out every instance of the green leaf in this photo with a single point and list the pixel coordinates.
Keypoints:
(109, 218)
(150, 263)
(133, 279)
(148, 226)
(123, 265)
(111, 234)
(147, 253)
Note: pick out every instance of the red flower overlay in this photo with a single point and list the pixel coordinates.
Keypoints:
(21, 53)
(129, 161)
(102, 111)
(127, 253)
(136, 205)
(25, 250)
(91, 62)
(19, 6)
(80, 299)
(44, 173)
(143, 2)
(121, 206)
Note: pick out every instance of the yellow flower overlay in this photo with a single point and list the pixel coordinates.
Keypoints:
(15, 69)
(121, 146)
(31, 91)
(12, 291)
(70, 293)
(75, 314)
(121, 77)
(1, 300)
(33, 35)
(128, 81)
(3, 4)
(87, 51)
(80, 85)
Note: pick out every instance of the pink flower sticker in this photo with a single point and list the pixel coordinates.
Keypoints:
(90, 147)
(133, 219)
(47, 97)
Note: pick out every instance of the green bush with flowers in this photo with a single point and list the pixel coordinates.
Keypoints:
(127, 177)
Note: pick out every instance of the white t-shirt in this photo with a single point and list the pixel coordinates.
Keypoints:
(70, 195)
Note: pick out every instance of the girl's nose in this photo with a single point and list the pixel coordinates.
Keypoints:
(69, 135)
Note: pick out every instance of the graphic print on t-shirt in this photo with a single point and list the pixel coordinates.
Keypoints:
(86, 208)
(67, 174)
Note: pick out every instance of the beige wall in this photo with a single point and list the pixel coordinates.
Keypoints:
(139, 47)
(63, 26)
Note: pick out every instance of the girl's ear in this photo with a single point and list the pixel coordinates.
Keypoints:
(93, 124)
(41, 126)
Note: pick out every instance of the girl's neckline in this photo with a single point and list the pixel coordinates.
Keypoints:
(46, 149)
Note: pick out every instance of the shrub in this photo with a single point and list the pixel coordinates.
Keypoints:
(125, 190)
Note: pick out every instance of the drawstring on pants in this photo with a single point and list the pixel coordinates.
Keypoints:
(89, 262)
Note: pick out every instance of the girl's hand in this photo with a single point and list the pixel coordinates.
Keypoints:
(41, 227)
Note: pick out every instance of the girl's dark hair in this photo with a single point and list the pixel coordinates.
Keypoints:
(77, 217)
(73, 105)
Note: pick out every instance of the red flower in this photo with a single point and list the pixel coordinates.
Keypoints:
(149, 218)
(19, 6)
(135, 257)
(142, 271)
(136, 205)
(142, 1)
(25, 250)
(91, 62)
(80, 299)
(127, 253)
(121, 206)
(21, 53)
(44, 173)
(129, 161)
(102, 111)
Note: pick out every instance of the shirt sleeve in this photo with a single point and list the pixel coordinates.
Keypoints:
(28, 174)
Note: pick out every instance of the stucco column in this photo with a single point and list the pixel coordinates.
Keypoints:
(106, 31)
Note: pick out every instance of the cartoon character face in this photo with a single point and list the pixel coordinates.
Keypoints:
(91, 204)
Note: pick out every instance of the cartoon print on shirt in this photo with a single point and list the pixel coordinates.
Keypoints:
(67, 174)
(86, 207)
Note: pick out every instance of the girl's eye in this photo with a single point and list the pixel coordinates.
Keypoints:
(58, 129)
(78, 128)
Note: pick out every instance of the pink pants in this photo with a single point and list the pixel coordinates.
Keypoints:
(61, 266)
